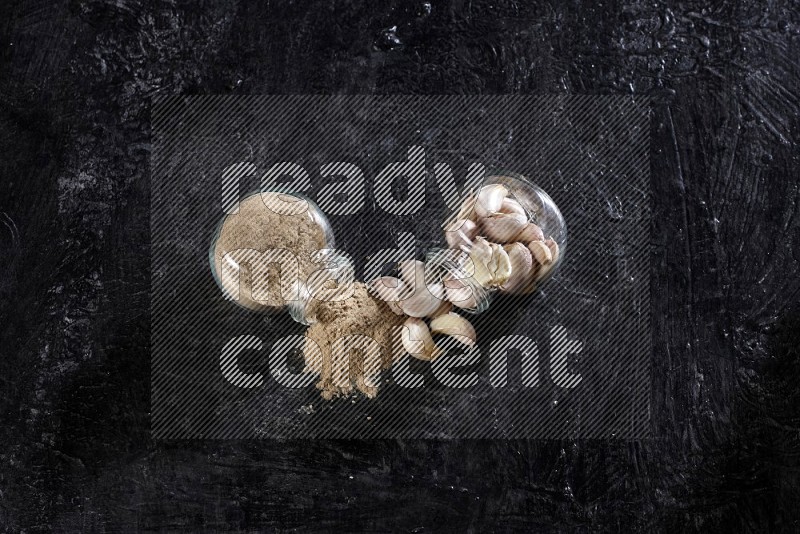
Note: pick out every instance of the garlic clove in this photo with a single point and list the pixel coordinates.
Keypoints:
(531, 232)
(491, 264)
(458, 292)
(468, 303)
(503, 227)
(454, 325)
(445, 307)
(490, 199)
(421, 304)
(460, 233)
(509, 205)
(425, 301)
(553, 246)
(545, 270)
(390, 290)
(541, 252)
(467, 210)
(501, 265)
(437, 290)
(412, 273)
(417, 340)
(481, 256)
(523, 270)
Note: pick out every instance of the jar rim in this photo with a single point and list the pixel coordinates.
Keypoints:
(442, 263)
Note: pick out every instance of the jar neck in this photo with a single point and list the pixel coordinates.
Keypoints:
(448, 265)
(298, 308)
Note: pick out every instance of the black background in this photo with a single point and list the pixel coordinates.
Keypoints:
(75, 85)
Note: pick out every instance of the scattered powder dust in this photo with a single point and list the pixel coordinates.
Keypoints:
(259, 228)
(342, 370)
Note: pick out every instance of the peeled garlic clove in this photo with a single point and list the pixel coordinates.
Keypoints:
(490, 199)
(510, 205)
(541, 252)
(425, 301)
(455, 326)
(417, 340)
(523, 270)
(530, 232)
(460, 233)
(503, 227)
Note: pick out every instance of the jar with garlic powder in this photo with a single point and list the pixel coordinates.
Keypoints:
(508, 237)
(262, 253)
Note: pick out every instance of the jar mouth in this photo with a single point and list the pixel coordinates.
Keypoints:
(446, 266)
(481, 294)
(336, 267)
(297, 308)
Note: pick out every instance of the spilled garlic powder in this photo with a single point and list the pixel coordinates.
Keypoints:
(343, 369)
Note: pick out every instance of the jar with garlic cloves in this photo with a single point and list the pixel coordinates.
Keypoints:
(508, 237)
(263, 252)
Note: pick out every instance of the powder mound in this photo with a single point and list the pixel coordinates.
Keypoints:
(350, 342)
(257, 228)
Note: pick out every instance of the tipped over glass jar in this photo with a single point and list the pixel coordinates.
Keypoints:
(263, 253)
(509, 237)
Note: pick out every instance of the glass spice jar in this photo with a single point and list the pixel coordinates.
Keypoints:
(261, 254)
(509, 238)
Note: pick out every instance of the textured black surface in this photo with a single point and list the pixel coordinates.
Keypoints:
(75, 83)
